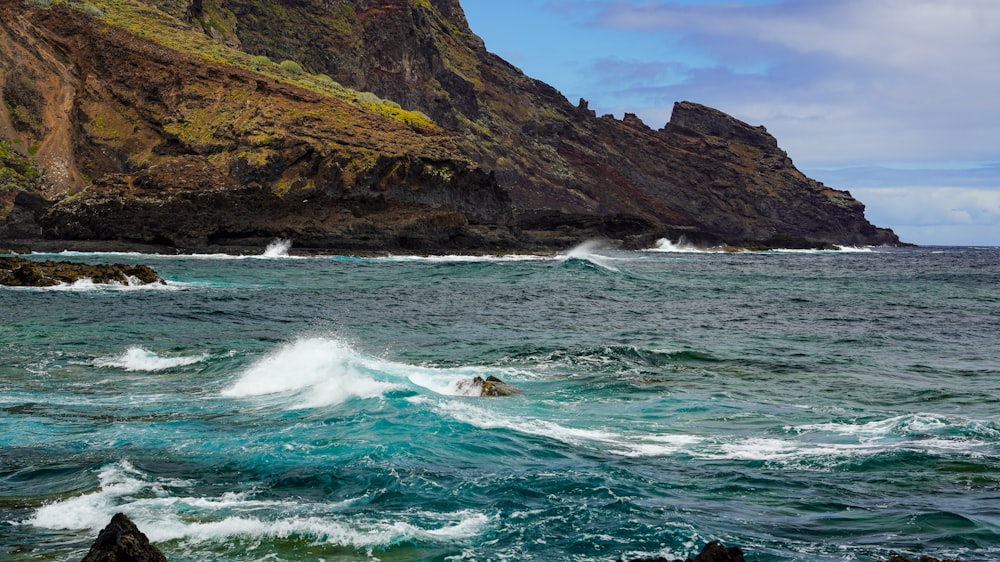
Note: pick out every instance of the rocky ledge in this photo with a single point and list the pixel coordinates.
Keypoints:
(21, 272)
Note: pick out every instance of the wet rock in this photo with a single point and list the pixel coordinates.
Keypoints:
(20, 272)
(122, 541)
(490, 386)
(713, 552)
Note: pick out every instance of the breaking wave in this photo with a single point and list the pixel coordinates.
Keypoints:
(141, 359)
(166, 510)
(320, 371)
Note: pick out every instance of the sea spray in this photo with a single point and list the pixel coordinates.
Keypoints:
(315, 371)
(588, 252)
(141, 359)
(322, 371)
(278, 249)
(682, 246)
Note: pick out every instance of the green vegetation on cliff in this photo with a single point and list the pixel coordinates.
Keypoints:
(147, 22)
(17, 173)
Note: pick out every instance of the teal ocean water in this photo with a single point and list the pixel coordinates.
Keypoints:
(806, 406)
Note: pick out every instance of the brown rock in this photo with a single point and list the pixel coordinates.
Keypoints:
(21, 272)
(490, 386)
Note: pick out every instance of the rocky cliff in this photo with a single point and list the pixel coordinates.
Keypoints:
(356, 125)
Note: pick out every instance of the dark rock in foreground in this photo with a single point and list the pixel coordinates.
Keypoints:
(20, 272)
(713, 552)
(122, 541)
(716, 552)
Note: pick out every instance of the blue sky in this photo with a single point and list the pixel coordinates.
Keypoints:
(897, 101)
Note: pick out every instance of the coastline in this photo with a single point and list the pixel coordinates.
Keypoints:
(27, 246)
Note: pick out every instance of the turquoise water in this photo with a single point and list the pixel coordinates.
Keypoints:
(804, 406)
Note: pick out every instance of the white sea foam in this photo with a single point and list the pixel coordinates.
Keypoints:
(87, 284)
(92, 510)
(623, 444)
(278, 249)
(927, 433)
(326, 371)
(71, 253)
(920, 425)
(588, 251)
(141, 359)
(488, 419)
(682, 246)
(909, 433)
(164, 511)
(316, 371)
(656, 445)
(458, 258)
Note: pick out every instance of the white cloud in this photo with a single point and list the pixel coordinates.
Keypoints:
(840, 81)
(936, 214)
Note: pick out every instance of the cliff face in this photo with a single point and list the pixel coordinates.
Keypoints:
(171, 122)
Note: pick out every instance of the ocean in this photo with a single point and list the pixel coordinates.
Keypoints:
(803, 406)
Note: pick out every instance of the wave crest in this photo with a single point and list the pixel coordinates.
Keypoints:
(320, 371)
(141, 359)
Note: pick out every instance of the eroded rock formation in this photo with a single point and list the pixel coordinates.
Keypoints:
(20, 272)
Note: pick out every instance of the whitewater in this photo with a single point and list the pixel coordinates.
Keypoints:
(804, 406)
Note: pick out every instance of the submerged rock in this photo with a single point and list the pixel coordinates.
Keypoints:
(922, 559)
(713, 552)
(490, 386)
(122, 541)
(20, 272)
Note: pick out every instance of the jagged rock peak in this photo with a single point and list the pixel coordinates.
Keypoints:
(705, 120)
(122, 541)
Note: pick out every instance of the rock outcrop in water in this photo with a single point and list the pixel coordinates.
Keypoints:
(386, 126)
(122, 541)
(712, 552)
(490, 386)
(20, 272)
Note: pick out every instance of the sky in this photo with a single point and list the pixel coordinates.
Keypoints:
(896, 101)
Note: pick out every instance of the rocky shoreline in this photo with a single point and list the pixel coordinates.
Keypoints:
(559, 242)
(21, 272)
